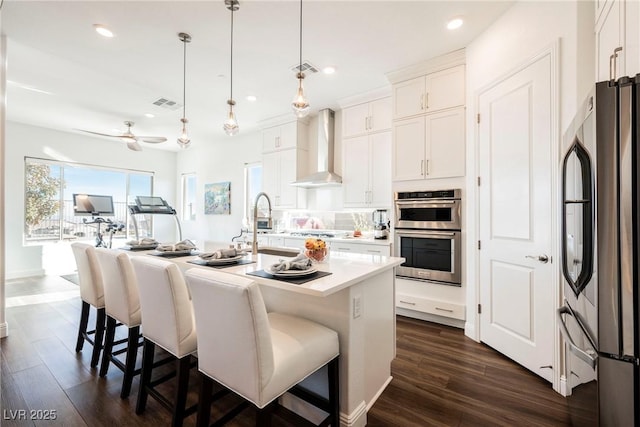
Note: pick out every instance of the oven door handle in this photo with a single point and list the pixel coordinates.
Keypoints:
(424, 234)
(425, 203)
(590, 358)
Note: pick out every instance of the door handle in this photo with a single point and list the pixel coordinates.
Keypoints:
(542, 258)
(588, 356)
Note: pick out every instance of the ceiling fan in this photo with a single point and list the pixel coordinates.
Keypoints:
(130, 138)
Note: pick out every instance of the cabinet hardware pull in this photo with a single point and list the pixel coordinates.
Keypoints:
(422, 167)
(373, 251)
(344, 249)
(422, 101)
(613, 60)
(444, 309)
(427, 168)
(407, 302)
(426, 101)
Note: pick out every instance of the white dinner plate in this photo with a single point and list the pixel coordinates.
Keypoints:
(292, 273)
(221, 261)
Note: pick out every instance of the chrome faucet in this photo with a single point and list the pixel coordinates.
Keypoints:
(255, 220)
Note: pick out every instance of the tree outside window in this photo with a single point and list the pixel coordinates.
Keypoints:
(42, 198)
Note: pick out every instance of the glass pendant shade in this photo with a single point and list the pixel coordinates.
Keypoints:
(300, 105)
(230, 125)
(183, 140)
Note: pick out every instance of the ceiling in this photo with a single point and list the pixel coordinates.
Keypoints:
(96, 83)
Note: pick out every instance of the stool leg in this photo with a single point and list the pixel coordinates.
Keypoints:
(182, 387)
(108, 345)
(130, 362)
(145, 375)
(82, 329)
(263, 416)
(99, 337)
(204, 401)
(334, 391)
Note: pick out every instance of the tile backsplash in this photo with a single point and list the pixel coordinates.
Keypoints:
(344, 220)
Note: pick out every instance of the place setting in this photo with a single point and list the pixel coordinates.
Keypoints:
(298, 270)
(144, 244)
(183, 248)
(221, 258)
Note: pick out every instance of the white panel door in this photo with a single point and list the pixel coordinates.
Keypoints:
(515, 155)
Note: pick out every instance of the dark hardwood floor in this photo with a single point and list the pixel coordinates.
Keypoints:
(440, 377)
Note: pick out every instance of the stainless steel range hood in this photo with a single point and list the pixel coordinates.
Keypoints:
(325, 177)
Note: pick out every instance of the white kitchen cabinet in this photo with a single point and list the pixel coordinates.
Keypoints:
(432, 92)
(279, 170)
(429, 146)
(366, 170)
(617, 27)
(285, 136)
(368, 117)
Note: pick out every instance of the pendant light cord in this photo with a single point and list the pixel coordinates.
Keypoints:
(300, 66)
(231, 78)
(184, 78)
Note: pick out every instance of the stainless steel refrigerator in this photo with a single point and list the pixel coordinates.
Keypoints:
(601, 249)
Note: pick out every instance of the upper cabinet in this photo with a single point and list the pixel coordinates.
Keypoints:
(366, 170)
(368, 117)
(287, 135)
(617, 39)
(432, 92)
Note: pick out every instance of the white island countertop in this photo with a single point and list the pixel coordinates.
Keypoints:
(346, 270)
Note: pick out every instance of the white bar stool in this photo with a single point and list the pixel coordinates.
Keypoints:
(122, 303)
(167, 321)
(92, 294)
(256, 354)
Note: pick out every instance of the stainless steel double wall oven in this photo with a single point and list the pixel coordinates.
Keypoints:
(428, 235)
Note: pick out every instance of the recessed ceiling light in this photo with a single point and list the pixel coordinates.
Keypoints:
(329, 70)
(151, 116)
(102, 30)
(251, 98)
(454, 23)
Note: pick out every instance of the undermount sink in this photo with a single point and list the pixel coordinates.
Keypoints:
(270, 250)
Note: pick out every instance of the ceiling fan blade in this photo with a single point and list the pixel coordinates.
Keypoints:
(152, 139)
(134, 146)
(98, 133)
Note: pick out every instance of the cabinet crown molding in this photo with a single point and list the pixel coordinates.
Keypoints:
(281, 120)
(451, 59)
(361, 98)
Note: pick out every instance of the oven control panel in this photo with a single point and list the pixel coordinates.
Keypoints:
(429, 195)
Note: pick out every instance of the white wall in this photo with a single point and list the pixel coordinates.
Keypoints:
(218, 161)
(24, 140)
(523, 31)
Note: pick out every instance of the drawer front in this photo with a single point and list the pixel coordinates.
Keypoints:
(425, 305)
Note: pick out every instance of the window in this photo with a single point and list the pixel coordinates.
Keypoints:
(188, 197)
(49, 189)
(252, 186)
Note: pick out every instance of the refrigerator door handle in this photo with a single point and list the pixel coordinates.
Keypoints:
(589, 357)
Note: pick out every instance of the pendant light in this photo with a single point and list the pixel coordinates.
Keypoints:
(300, 105)
(230, 125)
(183, 140)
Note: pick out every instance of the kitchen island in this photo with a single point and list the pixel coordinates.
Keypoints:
(357, 300)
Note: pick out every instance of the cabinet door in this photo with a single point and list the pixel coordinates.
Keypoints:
(444, 89)
(445, 136)
(288, 135)
(608, 37)
(355, 171)
(271, 175)
(408, 149)
(380, 169)
(355, 120)
(270, 139)
(408, 98)
(380, 115)
(288, 174)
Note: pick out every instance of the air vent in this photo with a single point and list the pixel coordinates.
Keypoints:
(306, 67)
(167, 104)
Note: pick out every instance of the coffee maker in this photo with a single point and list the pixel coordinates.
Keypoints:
(380, 220)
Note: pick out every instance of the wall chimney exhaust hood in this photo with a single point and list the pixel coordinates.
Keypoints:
(325, 177)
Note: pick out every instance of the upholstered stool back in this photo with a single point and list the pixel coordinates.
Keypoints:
(89, 275)
(167, 314)
(122, 299)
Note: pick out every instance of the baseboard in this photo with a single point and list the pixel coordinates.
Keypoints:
(21, 274)
(358, 418)
(378, 393)
(456, 323)
(564, 387)
(470, 331)
(4, 329)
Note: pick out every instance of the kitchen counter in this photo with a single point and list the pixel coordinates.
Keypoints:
(357, 301)
(362, 240)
